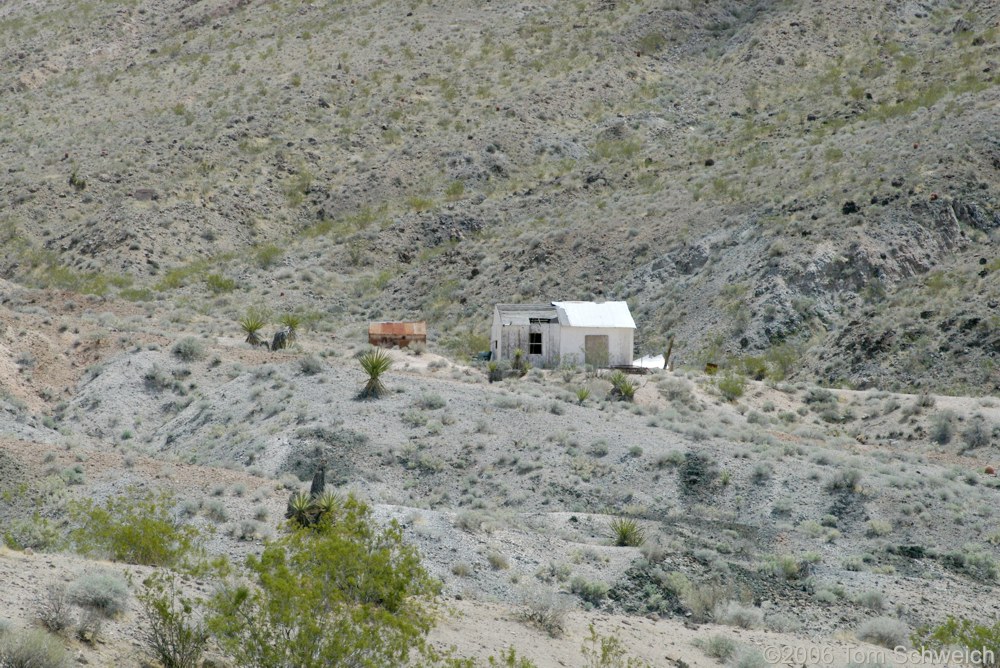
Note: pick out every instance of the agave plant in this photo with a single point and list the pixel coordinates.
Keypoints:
(375, 362)
(251, 324)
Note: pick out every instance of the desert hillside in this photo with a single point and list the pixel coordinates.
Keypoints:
(782, 180)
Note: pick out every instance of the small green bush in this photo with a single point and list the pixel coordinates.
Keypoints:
(717, 646)
(170, 631)
(105, 593)
(137, 528)
(732, 385)
(592, 592)
(607, 652)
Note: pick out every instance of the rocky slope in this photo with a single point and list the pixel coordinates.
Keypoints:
(748, 175)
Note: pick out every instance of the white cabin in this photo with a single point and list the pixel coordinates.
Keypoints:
(558, 333)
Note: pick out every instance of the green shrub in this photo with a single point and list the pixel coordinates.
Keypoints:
(105, 593)
(219, 284)
(717, 646)
(137, 528)
(607, 652)
(268, 255)
(32, 648)
(326, 595)
(170, 630)
(627, 532)
(188, 349)
(37, 533)
(963, 633)
(592, 592)
(732, 385)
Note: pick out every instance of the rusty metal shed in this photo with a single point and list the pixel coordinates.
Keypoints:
(402, 334)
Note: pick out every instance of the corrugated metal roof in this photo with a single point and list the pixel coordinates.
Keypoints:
(519, 314)
(590, 314)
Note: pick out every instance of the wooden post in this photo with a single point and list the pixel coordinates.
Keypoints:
(666, 358)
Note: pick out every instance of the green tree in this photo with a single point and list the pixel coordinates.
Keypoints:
(343, 592)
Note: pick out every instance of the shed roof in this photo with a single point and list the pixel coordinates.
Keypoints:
(520, 314)
(590, 314)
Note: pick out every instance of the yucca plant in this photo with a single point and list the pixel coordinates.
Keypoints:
(519, 363)
(375, 362)
(300, 509)
(327, 502)
(494, 372)
(251, 324)
(621, 387)
(582, 394)
(627, 532)
(291, 323)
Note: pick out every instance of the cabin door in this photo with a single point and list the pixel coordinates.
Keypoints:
(595, 348)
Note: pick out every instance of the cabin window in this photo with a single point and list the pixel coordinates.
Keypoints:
(535, 343)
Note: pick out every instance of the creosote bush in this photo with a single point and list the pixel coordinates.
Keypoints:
(732, 385)
(137, 528)
(340, 590)
(963, 633)
(170, 630)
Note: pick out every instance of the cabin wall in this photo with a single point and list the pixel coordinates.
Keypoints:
(620, 344)
(515, 336)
